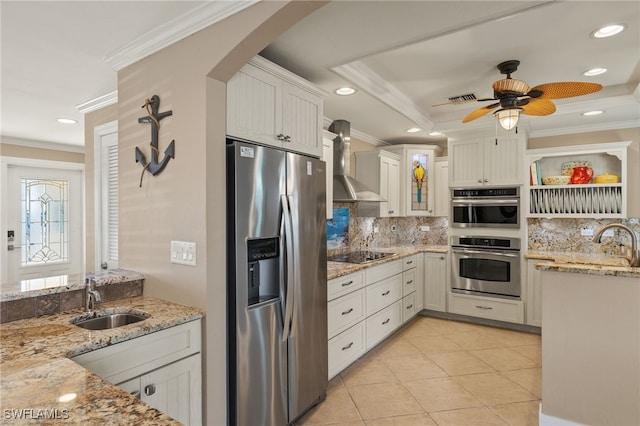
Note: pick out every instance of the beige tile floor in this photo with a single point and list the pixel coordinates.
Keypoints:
(438, 372)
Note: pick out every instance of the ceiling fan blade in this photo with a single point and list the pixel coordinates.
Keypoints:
(539, 107)
(566, 89)
(480, 112)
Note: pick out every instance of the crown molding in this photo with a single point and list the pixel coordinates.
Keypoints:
(629, 124)
(366, 79)
(175, 30)
(99, 102)
(42, 145)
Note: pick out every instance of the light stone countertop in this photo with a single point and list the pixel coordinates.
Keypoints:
(594, 264)
(36, 370)
(338, 269)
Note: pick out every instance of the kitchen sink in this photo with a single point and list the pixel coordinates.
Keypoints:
(105, 320)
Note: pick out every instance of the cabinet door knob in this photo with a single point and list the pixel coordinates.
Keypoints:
(391, 211)
(280, 136)
(136, 394)
(287, 138)
(479, 180)
(149, 390)
(486, 180)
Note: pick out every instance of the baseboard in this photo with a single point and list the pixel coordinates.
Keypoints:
(547, 420)
(482, 321)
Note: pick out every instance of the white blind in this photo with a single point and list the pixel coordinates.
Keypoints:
(110, 200)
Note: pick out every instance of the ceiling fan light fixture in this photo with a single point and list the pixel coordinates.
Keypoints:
(508, 117)
(608, 31)
(594, 71)
(345, 91)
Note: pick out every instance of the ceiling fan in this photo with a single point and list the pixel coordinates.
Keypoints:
(516, 97)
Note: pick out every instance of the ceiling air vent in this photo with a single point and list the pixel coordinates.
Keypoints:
(463, 98)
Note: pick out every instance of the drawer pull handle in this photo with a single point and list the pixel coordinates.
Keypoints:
(348, 283)
(136, 394)
(348, 311)
(391, 211)
(488, 308)
(149, 390)
(410, 306)
(386, 292)
(409, 282)
(409, 262)
(344, 348)
(386, 321)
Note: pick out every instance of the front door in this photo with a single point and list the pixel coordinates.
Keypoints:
(45, 220)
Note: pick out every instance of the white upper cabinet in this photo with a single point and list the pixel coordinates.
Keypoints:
(486, 161)
(380, 171)
(417, 188)
(268, 104)
(327, 157)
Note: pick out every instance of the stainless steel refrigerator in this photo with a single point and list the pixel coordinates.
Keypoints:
(277, 284)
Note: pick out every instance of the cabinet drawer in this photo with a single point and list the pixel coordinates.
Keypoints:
(123, 361)
(345, 348)
(409, 262)
(343, 285)
(383, 324)
(408, 282)
(485, 307)
(345, 312)
(383, 293)
(380, 272)
(408, 307)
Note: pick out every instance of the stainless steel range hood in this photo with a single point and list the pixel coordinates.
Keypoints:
(346, 188)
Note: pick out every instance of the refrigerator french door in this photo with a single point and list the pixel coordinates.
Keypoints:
(277, 284)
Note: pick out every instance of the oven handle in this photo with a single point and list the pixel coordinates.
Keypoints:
(485, 201)
(485, 253)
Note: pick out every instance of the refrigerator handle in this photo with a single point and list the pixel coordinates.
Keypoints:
(289, 264)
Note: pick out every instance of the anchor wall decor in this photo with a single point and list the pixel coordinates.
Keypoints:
(154, 167)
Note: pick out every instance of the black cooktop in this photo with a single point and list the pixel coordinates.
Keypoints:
(360, 256)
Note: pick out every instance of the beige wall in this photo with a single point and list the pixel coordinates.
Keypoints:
(91, 121)
(187, 200)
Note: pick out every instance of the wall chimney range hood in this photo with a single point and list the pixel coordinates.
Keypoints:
(346, 188)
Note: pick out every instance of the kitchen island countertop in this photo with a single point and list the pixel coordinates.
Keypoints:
(581, 263)
(36, 370)
(338, 269)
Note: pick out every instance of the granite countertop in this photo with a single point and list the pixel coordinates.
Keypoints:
(595, 264)
(338, 269)
(36, 370)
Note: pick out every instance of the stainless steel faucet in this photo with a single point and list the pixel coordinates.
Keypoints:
(634, 259)
(93, 297)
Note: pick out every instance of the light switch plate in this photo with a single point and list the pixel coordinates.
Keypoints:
(425, 228)
(586, 232)
(183, 253)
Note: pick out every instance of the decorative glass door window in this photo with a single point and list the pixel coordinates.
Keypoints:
(45, 222)
(419, 182)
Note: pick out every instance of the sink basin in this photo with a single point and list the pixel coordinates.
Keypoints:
(106, 320)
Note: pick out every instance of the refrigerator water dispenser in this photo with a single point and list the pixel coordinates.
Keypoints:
(263, 269)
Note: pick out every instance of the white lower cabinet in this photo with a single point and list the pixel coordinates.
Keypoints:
(534, 294)
(487, 307)
(347, 347)
(409, 308)
(383, 323)
(436, 282)
(365, 307)
(163, 369)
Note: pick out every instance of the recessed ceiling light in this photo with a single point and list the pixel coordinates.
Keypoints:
(345, 91)
(435, 133)
(608, 31)
(413, 130)
(594, 71)
(67, 121)
(589, 113)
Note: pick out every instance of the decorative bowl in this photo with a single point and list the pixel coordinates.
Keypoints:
(556, 180)
(606, 178)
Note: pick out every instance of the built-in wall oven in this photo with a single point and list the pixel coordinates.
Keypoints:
(486, 266)
(485, 208)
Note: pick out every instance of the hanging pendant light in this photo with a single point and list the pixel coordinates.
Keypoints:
(508, 117)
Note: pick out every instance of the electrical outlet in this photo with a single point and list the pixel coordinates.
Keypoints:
(425, 228)
(608, 233)
(183, 253)
(376, 229)
(586, 232)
